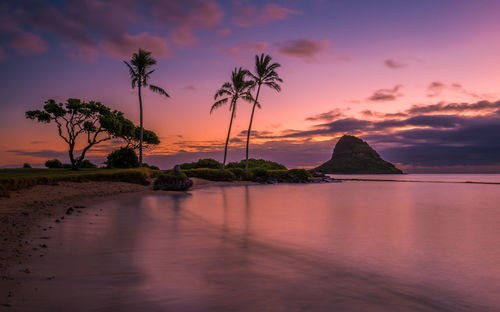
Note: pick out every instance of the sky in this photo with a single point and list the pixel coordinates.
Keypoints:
(418, 80)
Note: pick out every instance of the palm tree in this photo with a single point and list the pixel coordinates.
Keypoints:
(140, 69)
(265, 74)
(237, 88)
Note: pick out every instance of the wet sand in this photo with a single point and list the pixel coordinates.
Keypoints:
(29, 215)
(144, 252)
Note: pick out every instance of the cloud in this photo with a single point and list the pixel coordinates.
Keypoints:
(394, 64)
(3, 55)
(224, 32)
(246, 16)
(184, 36)
(306, 49)
(435, 88)
(125, 46)
(189, 87)
(28, 43)
(464, 108)
(383, 95)
(245, 48)
(86, 28)
(328, 116)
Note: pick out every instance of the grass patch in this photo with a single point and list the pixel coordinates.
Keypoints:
(211, 174)
(15, 179)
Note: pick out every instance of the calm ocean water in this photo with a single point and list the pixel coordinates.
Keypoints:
(351, 246)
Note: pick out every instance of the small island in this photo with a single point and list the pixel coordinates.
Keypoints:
(352, 155)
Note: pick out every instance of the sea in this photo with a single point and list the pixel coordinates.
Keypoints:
(415, 242)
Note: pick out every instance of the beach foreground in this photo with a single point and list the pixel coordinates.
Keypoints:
(243, 248)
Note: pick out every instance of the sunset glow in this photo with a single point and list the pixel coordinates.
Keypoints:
(417, 80)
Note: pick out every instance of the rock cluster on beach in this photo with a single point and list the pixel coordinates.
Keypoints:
(352, 155)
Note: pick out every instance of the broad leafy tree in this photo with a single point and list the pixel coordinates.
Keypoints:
(85, 124)
(133, 137)
(231, 91)
(266, 75)
(140, 69)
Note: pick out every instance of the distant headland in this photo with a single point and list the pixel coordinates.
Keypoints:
(352, 155)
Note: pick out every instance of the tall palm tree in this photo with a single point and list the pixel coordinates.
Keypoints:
(237, 88)
(265, 74)
(140, 69)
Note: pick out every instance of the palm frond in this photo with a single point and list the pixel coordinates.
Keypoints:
(218, 104)
(158, 90)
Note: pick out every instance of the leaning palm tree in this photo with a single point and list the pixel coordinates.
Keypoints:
(237, 88)
(265, 74)
(140, 69)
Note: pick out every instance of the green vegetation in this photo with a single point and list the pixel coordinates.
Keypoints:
(53, 164)
(266, 75)
(122, 158)
(144, 165)
(133, 138)
(15, 179)
(257, 163)
(237, 88)
(211, 174)
(139, 70)
(26, 165)
(75, 118)
(203, 163)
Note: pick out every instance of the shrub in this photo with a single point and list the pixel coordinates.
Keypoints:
(54, 163)
(87, 164)
(240, 174)
(257, 163)
(4, 191)
(172, 182)
(301, 174)
(211, 174)
(123, 158)
(150, 167)
(26, 165)
(203, 163)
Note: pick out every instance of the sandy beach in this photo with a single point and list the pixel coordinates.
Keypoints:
(34, 212)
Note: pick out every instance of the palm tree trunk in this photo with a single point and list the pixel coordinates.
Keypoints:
(228, 134)
(142, 130)
(250, 126)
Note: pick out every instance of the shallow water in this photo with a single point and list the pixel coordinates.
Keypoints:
(351, 246)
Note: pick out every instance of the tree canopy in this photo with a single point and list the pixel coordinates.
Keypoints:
(83, 125)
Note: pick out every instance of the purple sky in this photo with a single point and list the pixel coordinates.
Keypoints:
(418, 80)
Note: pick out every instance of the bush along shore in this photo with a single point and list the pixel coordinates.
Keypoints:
(176, 179)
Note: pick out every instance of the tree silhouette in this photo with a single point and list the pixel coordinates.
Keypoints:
(237, 88)
(75, 119)
(265, 74)
(140, 70)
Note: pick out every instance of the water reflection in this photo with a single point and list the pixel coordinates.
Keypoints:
(355, 246)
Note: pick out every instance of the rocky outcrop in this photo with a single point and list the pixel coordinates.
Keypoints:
(173, 182)
(352, 155)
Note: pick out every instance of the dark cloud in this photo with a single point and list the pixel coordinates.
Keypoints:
(394, 64)
(383, 95)
(454, 107)
(435, 88)
(86, 28)
(246, 16)
(328, 116)
(306, 49)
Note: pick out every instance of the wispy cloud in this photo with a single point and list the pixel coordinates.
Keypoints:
(306, 49)
(246, 16)
(383, 95)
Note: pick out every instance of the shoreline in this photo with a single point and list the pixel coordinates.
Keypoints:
(42, 207)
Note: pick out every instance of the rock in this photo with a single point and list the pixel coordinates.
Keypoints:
(352, 155)
(172, 182)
